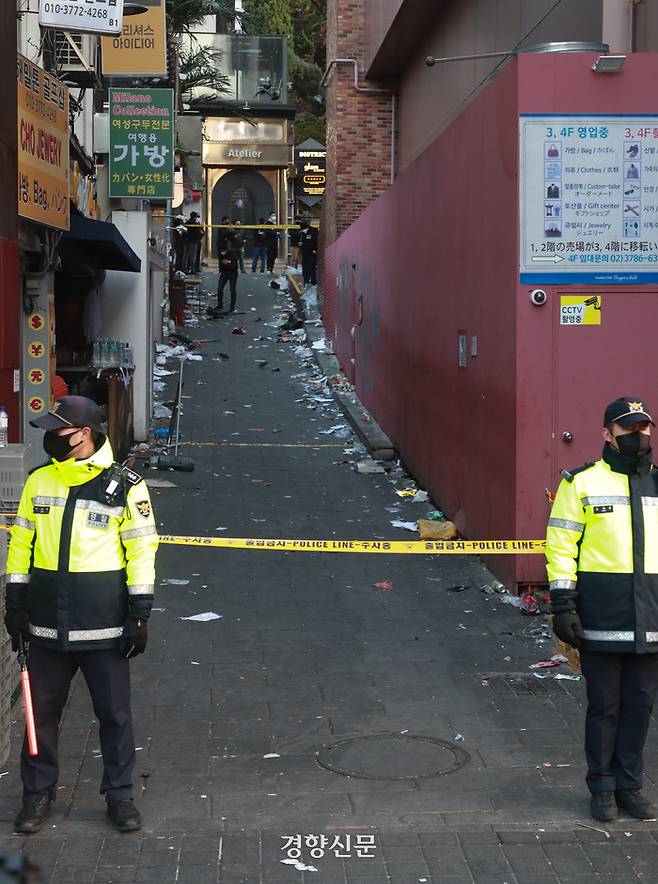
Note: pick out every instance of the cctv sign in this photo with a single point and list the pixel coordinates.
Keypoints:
(88, 16)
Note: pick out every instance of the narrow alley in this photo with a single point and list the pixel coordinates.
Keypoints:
(309, 650)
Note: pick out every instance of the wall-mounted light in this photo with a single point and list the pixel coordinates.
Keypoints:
(609, 64)
(134, 8)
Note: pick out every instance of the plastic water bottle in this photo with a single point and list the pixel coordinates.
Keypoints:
(4, 427)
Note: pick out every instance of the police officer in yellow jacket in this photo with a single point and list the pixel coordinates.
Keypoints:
(602, 552)
(80, 578)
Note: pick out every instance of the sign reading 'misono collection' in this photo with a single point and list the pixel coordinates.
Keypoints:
(141, 143)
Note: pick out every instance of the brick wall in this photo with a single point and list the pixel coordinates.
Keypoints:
(358, 125)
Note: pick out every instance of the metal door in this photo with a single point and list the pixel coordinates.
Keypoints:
(595, 364)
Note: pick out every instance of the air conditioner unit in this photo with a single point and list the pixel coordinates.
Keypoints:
(67, 59)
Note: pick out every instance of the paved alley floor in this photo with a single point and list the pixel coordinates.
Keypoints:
(307, 653)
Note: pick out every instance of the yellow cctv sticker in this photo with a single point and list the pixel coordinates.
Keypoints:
(580, 310)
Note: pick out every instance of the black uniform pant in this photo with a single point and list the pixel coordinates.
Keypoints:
(107, 674)
(309, 263)
(621, 689)
(271, 256)
(231, 279)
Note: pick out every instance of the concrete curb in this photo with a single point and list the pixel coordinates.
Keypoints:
(366, 428)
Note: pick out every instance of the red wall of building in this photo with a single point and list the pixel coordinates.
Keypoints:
(9, 280)
(437, 254)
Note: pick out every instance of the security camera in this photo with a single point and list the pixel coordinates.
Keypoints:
(538, 297)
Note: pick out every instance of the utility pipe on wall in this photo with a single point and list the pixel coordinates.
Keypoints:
(619, 24)
(353, 61)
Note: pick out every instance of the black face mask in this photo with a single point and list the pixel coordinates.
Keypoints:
(634, 444)
(58, 446)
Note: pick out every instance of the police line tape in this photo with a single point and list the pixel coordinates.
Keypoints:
(389, 547)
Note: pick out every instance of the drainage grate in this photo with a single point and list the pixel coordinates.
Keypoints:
(392, 757)
(523, 684)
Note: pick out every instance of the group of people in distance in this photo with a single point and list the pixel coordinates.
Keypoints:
(231, 249)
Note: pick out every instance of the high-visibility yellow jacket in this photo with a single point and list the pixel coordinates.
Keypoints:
(79, 564)
(602, 554)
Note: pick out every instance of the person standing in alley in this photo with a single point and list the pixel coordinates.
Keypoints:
(195, 234)
(260, 247)
(238, 242)
(602, 554)
(228, 273)
(225, 236)
(80, 578)
(271, 242)
(308, 249)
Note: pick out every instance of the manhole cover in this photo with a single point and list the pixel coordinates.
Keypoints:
(523, 684)
(392, 757)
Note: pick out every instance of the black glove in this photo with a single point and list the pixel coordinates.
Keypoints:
(133, 640)
(568, 628)
(17, 623)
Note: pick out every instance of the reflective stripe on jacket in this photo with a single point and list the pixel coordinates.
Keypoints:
(77, 563)
(602, 556)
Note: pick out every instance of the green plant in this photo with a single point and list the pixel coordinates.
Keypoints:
(182, 15)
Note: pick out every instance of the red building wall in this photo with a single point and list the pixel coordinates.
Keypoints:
(9, 264)
(437, 254)
(434, 255)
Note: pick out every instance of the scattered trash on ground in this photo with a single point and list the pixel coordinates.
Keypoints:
(436, 530)
(407, 492)
(458, 738)
(544, 664)
(420, 497)
(435, 516)
(368, 468)
(407, 526)
(458, 588)
(384, 584)
(239, 330)
(562, 676)
(203, 618)
(172, 581)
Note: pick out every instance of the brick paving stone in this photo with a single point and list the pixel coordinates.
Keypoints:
(307, 652)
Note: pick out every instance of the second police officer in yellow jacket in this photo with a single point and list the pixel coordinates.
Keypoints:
(80, 579)
(602, 553)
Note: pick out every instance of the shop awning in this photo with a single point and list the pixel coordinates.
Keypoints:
(104, 242)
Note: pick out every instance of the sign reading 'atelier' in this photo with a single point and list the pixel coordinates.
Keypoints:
(142, 143)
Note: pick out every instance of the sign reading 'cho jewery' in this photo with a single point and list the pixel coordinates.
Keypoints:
(43, 146)
(90, 16)
(141, 143)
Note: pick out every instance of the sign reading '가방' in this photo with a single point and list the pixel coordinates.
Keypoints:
(141, 143)
(589, 199)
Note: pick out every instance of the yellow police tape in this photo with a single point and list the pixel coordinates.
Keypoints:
(386, 547)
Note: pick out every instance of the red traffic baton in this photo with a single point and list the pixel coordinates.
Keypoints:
(30, 728)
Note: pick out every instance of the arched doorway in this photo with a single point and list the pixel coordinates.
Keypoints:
(243, 194)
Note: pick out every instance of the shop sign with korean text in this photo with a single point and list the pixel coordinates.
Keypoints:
(589, 199)
(141, 143)
(89, 16)
(43, 146)
(140, 50)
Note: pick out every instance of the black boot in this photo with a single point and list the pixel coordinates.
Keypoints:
(603, 806)
(635, 804)
(34, 813)
(124, 815)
